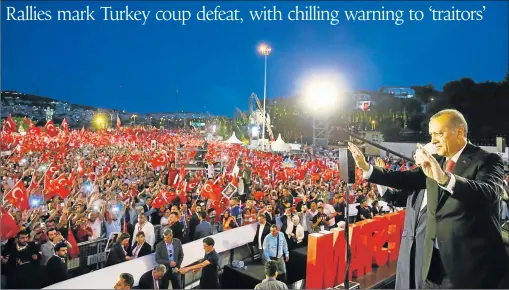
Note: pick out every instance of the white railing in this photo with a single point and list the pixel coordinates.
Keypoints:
(193, 252)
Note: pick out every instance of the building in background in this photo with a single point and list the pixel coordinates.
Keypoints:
(399, 92)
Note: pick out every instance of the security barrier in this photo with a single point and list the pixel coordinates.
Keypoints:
(92, 256)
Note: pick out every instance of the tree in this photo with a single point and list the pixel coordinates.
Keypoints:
(426, 93)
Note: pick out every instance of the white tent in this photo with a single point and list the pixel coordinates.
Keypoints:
(233, 140)
(280, 145)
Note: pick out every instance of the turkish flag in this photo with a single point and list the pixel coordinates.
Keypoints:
(81, 167)
(33, 130)
(18, 196)
(65, 125)
(50, 129)
(172, 174)
(27, 121)
(118, 123)
(207, 189)
(183, 196)
(160, 160)
(74, 252)
(9, 125)
(9, 226)
(158, 201)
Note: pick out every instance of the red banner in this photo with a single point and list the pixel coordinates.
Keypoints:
(326, 262)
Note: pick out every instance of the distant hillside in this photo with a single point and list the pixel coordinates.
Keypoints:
(39, 101)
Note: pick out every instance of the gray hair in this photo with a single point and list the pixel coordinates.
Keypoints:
(161, 268)
(457, 119)
(167, 231)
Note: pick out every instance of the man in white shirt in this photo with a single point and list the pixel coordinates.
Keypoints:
(144, 226)
(262, 230)
(95, 223)
(329, 210)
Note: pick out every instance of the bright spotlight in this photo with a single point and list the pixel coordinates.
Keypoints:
(323, 92)
(264, 49)
(99, 120)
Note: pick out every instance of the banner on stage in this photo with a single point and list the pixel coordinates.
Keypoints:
(326, 258)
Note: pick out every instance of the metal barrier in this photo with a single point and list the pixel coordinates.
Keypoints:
(92, 256)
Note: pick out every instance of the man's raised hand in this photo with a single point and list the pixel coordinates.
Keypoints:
(359, 158)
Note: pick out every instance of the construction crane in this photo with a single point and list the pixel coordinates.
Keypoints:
(254, 114)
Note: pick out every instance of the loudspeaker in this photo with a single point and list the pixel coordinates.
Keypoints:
(346, 166)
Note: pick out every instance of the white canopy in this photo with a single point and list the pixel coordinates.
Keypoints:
(233, 139)
(280, 145)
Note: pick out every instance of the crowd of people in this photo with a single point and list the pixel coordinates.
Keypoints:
(64, 187)
(61, 189)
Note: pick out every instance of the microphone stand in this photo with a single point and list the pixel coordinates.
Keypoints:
(347, 284)
(347, 237)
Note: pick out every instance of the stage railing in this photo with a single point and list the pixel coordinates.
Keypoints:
(193, 252)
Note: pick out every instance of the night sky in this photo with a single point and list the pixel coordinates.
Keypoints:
(215, 65)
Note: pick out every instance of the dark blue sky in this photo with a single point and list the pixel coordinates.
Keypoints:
(129, 66)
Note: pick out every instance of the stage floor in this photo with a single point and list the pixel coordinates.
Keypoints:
(234, 278)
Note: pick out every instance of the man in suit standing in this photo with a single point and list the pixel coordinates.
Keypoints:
(154, 279)
(56, 266)
(194, 222)
(204, 228)
(170, 253)
(463, 247)
(262, 230)
(410, 258)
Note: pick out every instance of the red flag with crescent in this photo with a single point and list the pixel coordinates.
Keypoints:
(65, 125)
(18, 196)
(50, 129)
(9, 125)
(9, 226)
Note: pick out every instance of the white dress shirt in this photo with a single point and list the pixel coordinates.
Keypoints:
(148, 230)
(260, 233)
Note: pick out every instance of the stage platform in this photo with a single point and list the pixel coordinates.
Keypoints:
(234, 278)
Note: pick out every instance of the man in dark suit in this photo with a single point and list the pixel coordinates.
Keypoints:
(56, 268)
(204, 228)
(194, 222)
(262, 230)
(118, 252)
(410, 258)
(463, 247)
(170, 253)
(150, 278)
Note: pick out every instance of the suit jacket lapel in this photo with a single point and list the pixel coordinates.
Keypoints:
(460, 167)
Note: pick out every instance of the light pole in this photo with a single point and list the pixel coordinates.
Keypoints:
(265, 51)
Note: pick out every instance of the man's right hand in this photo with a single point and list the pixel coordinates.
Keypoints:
(359, 158)
(173, 264)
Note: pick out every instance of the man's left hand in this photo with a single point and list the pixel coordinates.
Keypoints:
(430, 165)
(287, 259)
